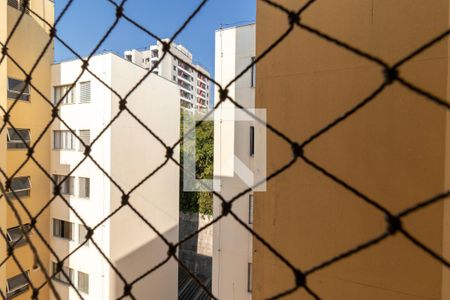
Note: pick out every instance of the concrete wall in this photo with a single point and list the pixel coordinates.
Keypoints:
(135, 248)
(232, 244)
(25, 47)
(394, 150)
(196, 252)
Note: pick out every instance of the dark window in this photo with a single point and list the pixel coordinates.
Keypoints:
(249, 278)
(60, 276)
(62, 229)
(250, 209)
(16, 236)
(21, 187)
(15, 87)
(67, 185)
(17, 285)
(253, 73)
(14, 3)
(14, 138)
(252, 140)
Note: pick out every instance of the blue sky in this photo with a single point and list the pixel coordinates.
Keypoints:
(87, 20)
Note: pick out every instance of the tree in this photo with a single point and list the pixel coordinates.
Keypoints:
(200, 202)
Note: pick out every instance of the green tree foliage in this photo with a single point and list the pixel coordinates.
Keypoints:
(200, 202)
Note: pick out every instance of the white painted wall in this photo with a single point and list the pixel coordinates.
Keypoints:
(127, 153)
(232, 244)
(93, 116)
(135, 248)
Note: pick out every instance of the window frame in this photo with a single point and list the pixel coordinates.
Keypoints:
(82, 236)
(20, 289)
(26, 95)
(61, 229)
(249, 277)
(90, 92)
(82, 136)
(253, 72)
(250, 208)
(19, 141)
(87, 182)
(18, 192)
(63, 139)
(252, 141)
(68, 183)
(21, 241)
(85, 291)
(70, 95)
(59, 276)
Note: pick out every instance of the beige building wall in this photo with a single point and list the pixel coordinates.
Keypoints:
(395, 150)
(25, 47)
(3, 68)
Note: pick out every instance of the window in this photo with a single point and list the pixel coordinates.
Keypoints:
(83, 282)
(174, 78)
(253, 73)
(14, 140)
(21, 186)
(250, 209)
(252, 140)
(60, 276)
(155, 53)
(67, 185)
(128, 57)
(14, 3)
(249, 278)
(174, 68)
(147, 60)
(85, 136)
(17, 285)
(62, 229)
(83, 187)
(82, 232)
(15, 87)
(60, 91)
(63, 140)
(85, 92)
(16, 236)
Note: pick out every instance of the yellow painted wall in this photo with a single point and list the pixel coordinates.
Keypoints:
(25, 47)
(3, 141)
(393, 150)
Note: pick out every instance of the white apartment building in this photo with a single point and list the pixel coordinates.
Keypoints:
(194, 87)
(128, 153)
(232, 244)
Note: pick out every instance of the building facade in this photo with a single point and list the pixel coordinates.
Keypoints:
(30, 115)
(128, 153)
(194, 86)
(232, 243)
(395, 150)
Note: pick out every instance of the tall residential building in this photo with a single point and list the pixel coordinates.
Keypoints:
(395, 150)
(30, 115)
(128, 153)
(232, 244)
(194, 87)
